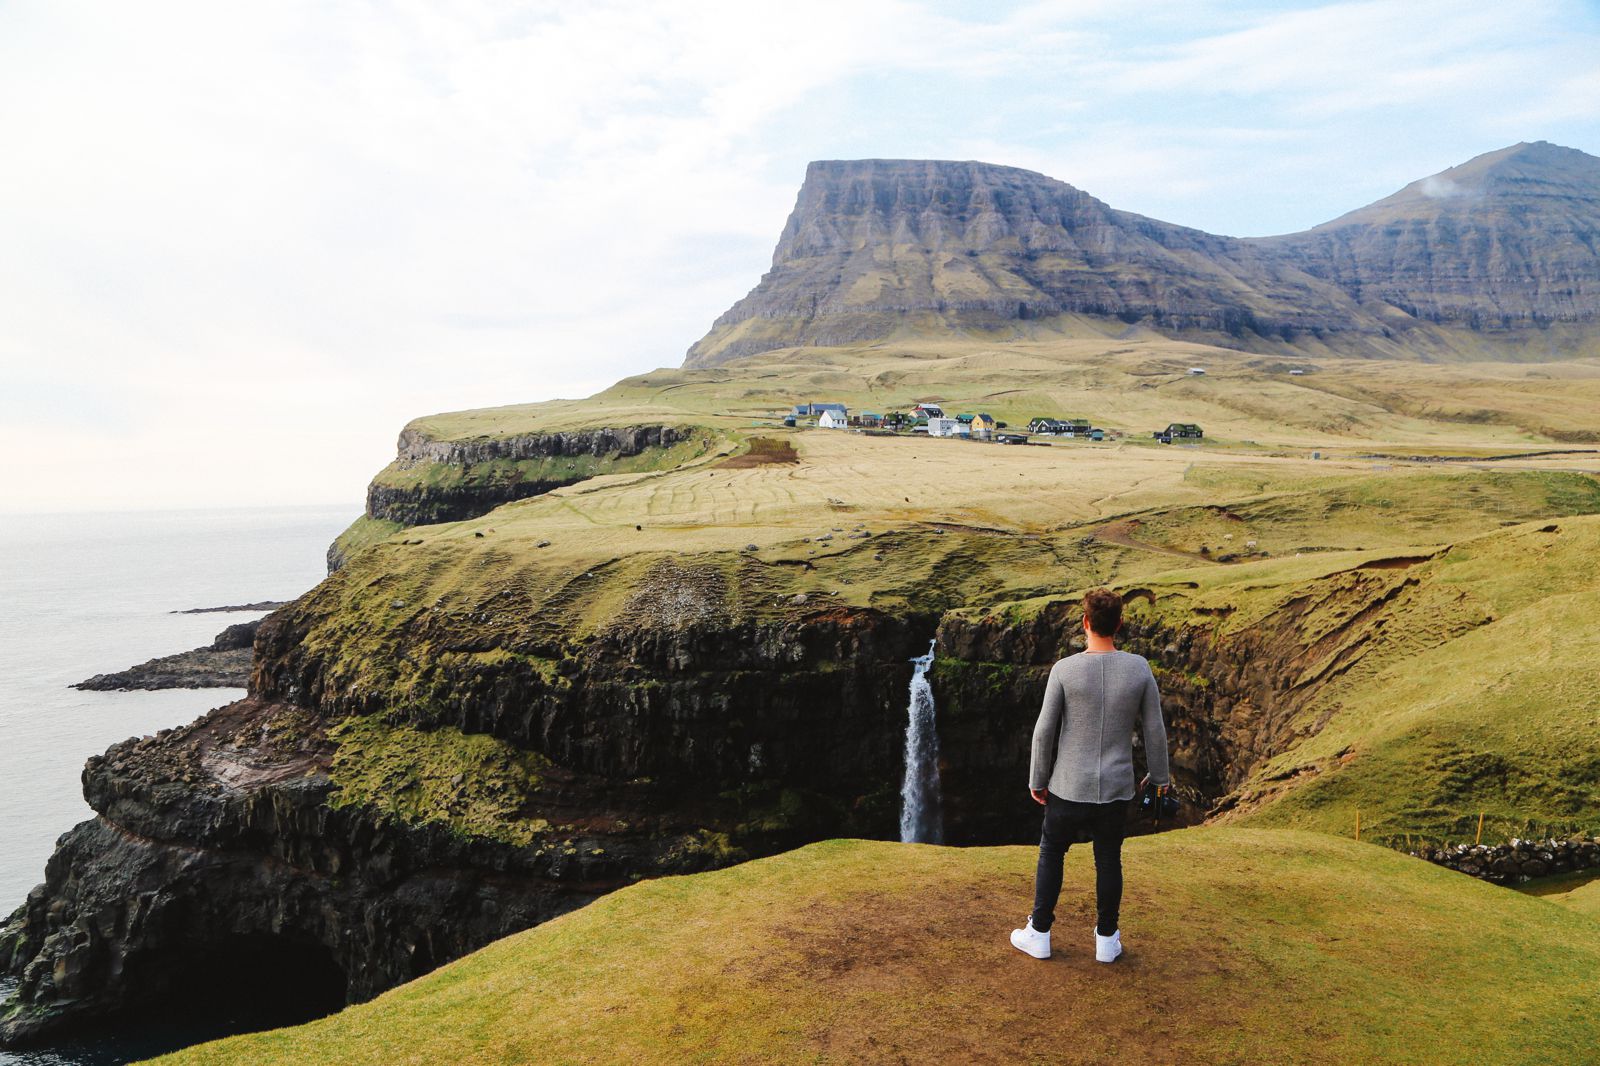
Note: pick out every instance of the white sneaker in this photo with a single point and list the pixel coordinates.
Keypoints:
(1106, 948)
(1030, 941)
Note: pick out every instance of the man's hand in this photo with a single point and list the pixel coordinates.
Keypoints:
(1038, 795)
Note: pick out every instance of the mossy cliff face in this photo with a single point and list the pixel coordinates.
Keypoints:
(812, 702)
(381, 839)
(433, 480)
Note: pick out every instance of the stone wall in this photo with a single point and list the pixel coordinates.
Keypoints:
(1517, 860)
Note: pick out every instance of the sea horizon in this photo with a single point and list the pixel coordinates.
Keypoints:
(89, 592)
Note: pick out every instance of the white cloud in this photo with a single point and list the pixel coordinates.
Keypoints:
(244, 244)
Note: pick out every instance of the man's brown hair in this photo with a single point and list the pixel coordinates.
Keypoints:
(1104, 609)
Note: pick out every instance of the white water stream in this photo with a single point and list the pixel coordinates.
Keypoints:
(921, 805)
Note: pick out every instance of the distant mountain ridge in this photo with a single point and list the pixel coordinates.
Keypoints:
(1495, 258)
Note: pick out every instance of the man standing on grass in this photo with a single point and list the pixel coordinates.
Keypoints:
(1082, 769)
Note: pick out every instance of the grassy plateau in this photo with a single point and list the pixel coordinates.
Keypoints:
(1243, 946)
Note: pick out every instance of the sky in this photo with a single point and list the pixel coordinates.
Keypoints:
(242, 245)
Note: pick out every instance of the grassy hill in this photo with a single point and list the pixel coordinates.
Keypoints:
(1470, 692)
(1134, 385)
(1243, 946)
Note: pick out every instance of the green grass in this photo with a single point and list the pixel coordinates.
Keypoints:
(474, 784)
(1578, 891)
(1475, 696)
(363, 533)
(1243, 946)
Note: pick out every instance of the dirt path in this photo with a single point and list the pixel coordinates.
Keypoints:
(1122, 533)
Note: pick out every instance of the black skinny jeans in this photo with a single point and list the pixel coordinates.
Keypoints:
(1068, 822)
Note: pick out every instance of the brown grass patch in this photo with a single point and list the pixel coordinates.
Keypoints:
(763, 451)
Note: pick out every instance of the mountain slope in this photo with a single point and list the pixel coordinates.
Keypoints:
(1243, 946)
(1508, 238)
(1464, 263)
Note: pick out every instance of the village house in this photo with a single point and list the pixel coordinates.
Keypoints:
(984, 425)
(1063, 427)
(814, 410)
(929, 411)
(832, 419)
(867, 420)
(1178, 431)
(947, 427)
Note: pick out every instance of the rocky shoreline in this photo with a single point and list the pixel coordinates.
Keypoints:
(224, 663)
(260, 605)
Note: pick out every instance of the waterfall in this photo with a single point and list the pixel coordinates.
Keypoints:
(921, 806)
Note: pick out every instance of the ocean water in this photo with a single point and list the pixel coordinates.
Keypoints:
(82, 594)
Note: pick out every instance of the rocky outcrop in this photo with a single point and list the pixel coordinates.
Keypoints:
(416, 447)
(259, 605)
(433, 480)
(875, 248)
(468, 496)
(224, 663)
(218, 846)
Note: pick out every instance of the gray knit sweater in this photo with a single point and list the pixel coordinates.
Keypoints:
(1083, 741)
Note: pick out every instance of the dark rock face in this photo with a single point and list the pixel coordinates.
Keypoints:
(236, 636)
(224, 663)
(222, 832)
(1227, 702)
(818, 704)
(874, 246)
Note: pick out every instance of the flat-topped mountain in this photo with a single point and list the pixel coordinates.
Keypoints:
(1459, 264)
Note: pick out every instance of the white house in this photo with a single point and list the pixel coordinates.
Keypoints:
(947, 427)
(832, 419)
